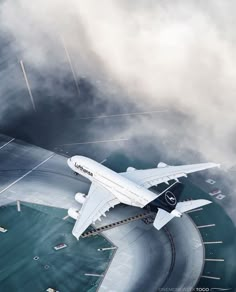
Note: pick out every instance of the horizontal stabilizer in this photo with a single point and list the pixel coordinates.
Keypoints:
(190, 205)
(162, 218)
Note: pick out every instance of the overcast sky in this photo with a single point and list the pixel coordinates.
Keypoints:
(177, 55)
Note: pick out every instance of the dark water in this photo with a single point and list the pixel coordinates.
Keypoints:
(223, 231)
(35, 232)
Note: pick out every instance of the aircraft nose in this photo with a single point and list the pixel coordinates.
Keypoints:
(69, 161)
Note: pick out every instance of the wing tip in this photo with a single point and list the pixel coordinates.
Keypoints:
(207, 202)
(76, 234)
(215, 164)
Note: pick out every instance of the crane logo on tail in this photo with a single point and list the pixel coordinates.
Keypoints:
(170, 198)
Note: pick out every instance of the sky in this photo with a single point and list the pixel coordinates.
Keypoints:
(127, 56)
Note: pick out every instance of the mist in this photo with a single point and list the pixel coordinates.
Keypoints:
(135, 55)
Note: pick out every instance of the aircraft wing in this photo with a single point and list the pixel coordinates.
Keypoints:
(98, 201)
(151, 177)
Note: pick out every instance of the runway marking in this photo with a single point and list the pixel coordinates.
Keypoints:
(121, 115)
(20, 178)
(104, 160)
(195, 210)
(7, 143)
(66, 217)
(70, 64)
(212, 242)
(107, 248)
(210, 277)
(94, 275)
(94, 142)
(18, 206)
(214, 260)
(204, 226)
(27, 84)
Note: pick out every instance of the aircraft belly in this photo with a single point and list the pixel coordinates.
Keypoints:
(129, 199)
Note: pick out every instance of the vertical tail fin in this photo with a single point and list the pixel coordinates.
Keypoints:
(169, 198)
(169, 207)
(163, 217)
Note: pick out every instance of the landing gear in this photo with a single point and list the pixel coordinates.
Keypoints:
(75, 173)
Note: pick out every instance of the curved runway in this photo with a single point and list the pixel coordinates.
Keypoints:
(144, 258)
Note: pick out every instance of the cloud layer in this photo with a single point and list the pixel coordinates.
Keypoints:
(155, 54)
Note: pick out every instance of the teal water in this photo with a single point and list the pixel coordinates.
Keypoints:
(34, 233)
(224, 230)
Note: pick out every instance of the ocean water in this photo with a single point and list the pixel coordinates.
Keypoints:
(34, 232)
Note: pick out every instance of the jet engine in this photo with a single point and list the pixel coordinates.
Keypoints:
(176, 213)
(80, 198)
(161, 165)
(130, 169)
(73, 213)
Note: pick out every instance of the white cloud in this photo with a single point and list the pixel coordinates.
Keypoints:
(161, 53)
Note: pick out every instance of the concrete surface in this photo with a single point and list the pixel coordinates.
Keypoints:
(144, 258)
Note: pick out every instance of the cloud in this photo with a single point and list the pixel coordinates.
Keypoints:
(153, 54)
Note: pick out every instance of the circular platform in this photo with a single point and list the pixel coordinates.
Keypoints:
(147, 259)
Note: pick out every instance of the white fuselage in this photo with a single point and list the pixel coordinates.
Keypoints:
(126, 191)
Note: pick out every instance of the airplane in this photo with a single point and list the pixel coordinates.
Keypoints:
(109, 188)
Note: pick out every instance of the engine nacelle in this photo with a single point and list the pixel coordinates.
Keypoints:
(80, 198)
(130, 169)
(73, 213)
(161, 165)
(176, 213)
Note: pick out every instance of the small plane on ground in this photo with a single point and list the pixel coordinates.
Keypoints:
(109, 188)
